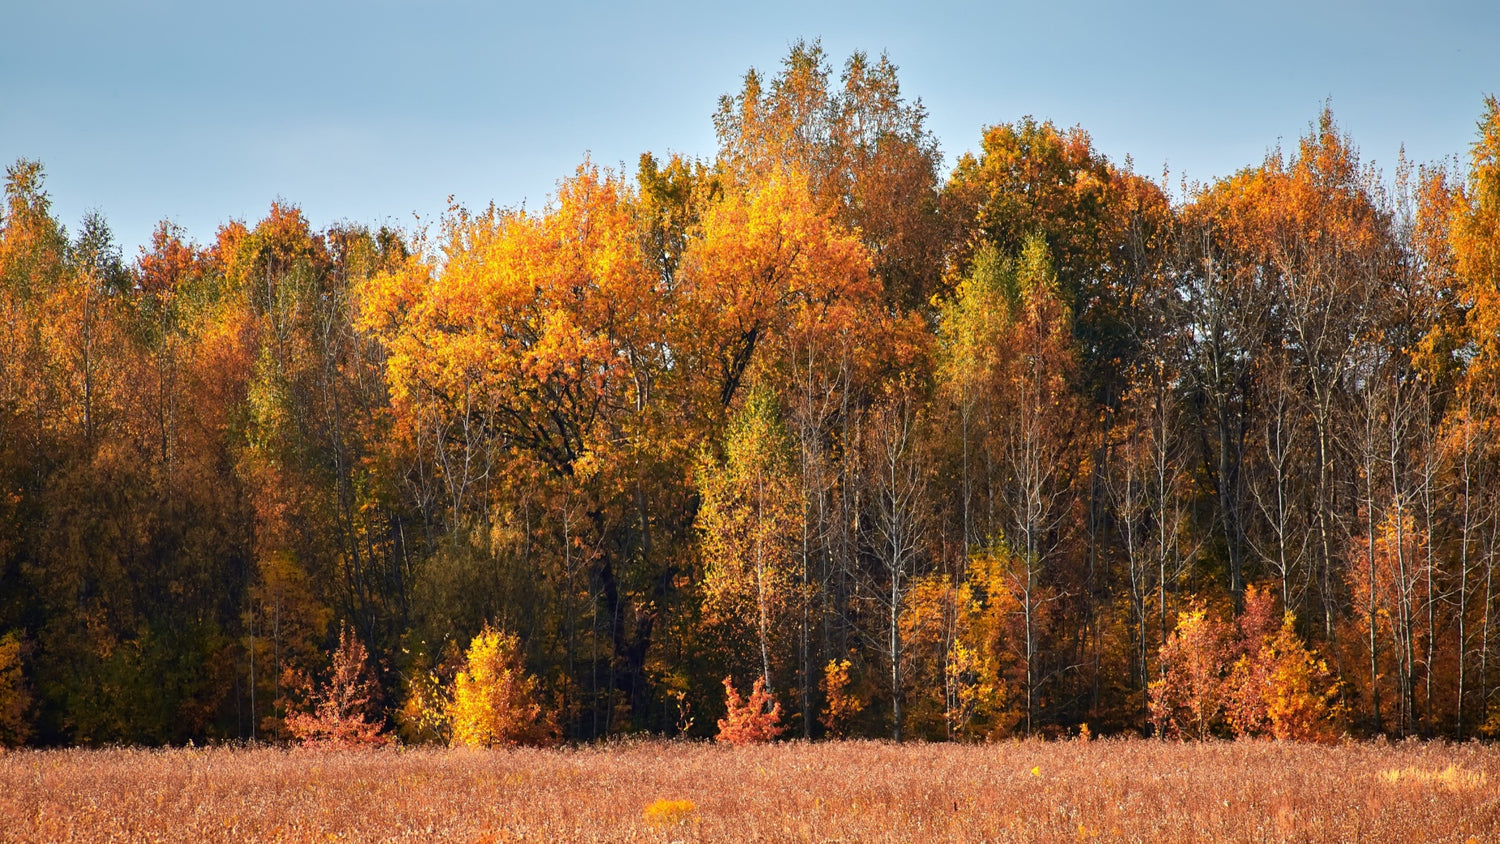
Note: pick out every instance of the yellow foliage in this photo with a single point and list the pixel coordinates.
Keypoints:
(665, 813)
(494, 699)
(749, 520)
(426, 713)
(1261, 681)
(842, 705)
(983, 653)
(1452, 778)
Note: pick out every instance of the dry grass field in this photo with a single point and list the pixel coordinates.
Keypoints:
(660, 791)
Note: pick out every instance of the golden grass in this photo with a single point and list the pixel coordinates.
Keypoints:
(853, 791)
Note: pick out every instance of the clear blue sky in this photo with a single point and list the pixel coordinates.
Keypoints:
(205, 111)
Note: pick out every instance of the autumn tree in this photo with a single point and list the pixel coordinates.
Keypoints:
(1252, 677)
(1035, 449)
(753, 721)
(758, 256)
(864, 148)
(1473, 235)
(1189, 696)
(495, 701)
(1279, 688)
(749, 522)
(345, 714)
(843, 703)
(15, 694)
(898, 472)
(533, 369)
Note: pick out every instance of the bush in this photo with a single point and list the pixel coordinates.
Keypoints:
(344, 705)
(750, 722)
(494, 699)
(1250, 678)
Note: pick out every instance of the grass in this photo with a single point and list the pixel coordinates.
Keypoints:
(853, 791)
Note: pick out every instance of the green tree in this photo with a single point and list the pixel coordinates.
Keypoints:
(750, 520)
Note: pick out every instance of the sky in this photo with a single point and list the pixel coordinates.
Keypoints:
(376, 112)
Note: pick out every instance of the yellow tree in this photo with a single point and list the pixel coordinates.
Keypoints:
(1474, 238)
(750, 522)
(970, 326)
(495, 701)
(761, 261)
(531, 365)
(869, 160)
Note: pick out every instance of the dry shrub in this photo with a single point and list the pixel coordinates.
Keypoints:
(1105, 790)
(750, 722)
(344, 705)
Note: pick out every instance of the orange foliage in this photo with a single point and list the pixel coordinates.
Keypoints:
(345, 703)
(752, 721)
(1474, 238)
(1186, 700)
(765, 262)
(1254, 678)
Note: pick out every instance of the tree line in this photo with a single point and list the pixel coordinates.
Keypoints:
(1035, 444)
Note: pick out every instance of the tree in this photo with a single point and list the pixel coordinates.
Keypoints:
(494, 698)
(749, 520)
(752, 721)
(898, 472)
(1189, 695)
(1254, 677)
(344, 704)
(1474, 240)
(1036, 447)
(15, 694)
(1100, 224)
(970, 329)
(868, 158)
(843, 704)
(762, 260)
(1280, 688)
(531, 368)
